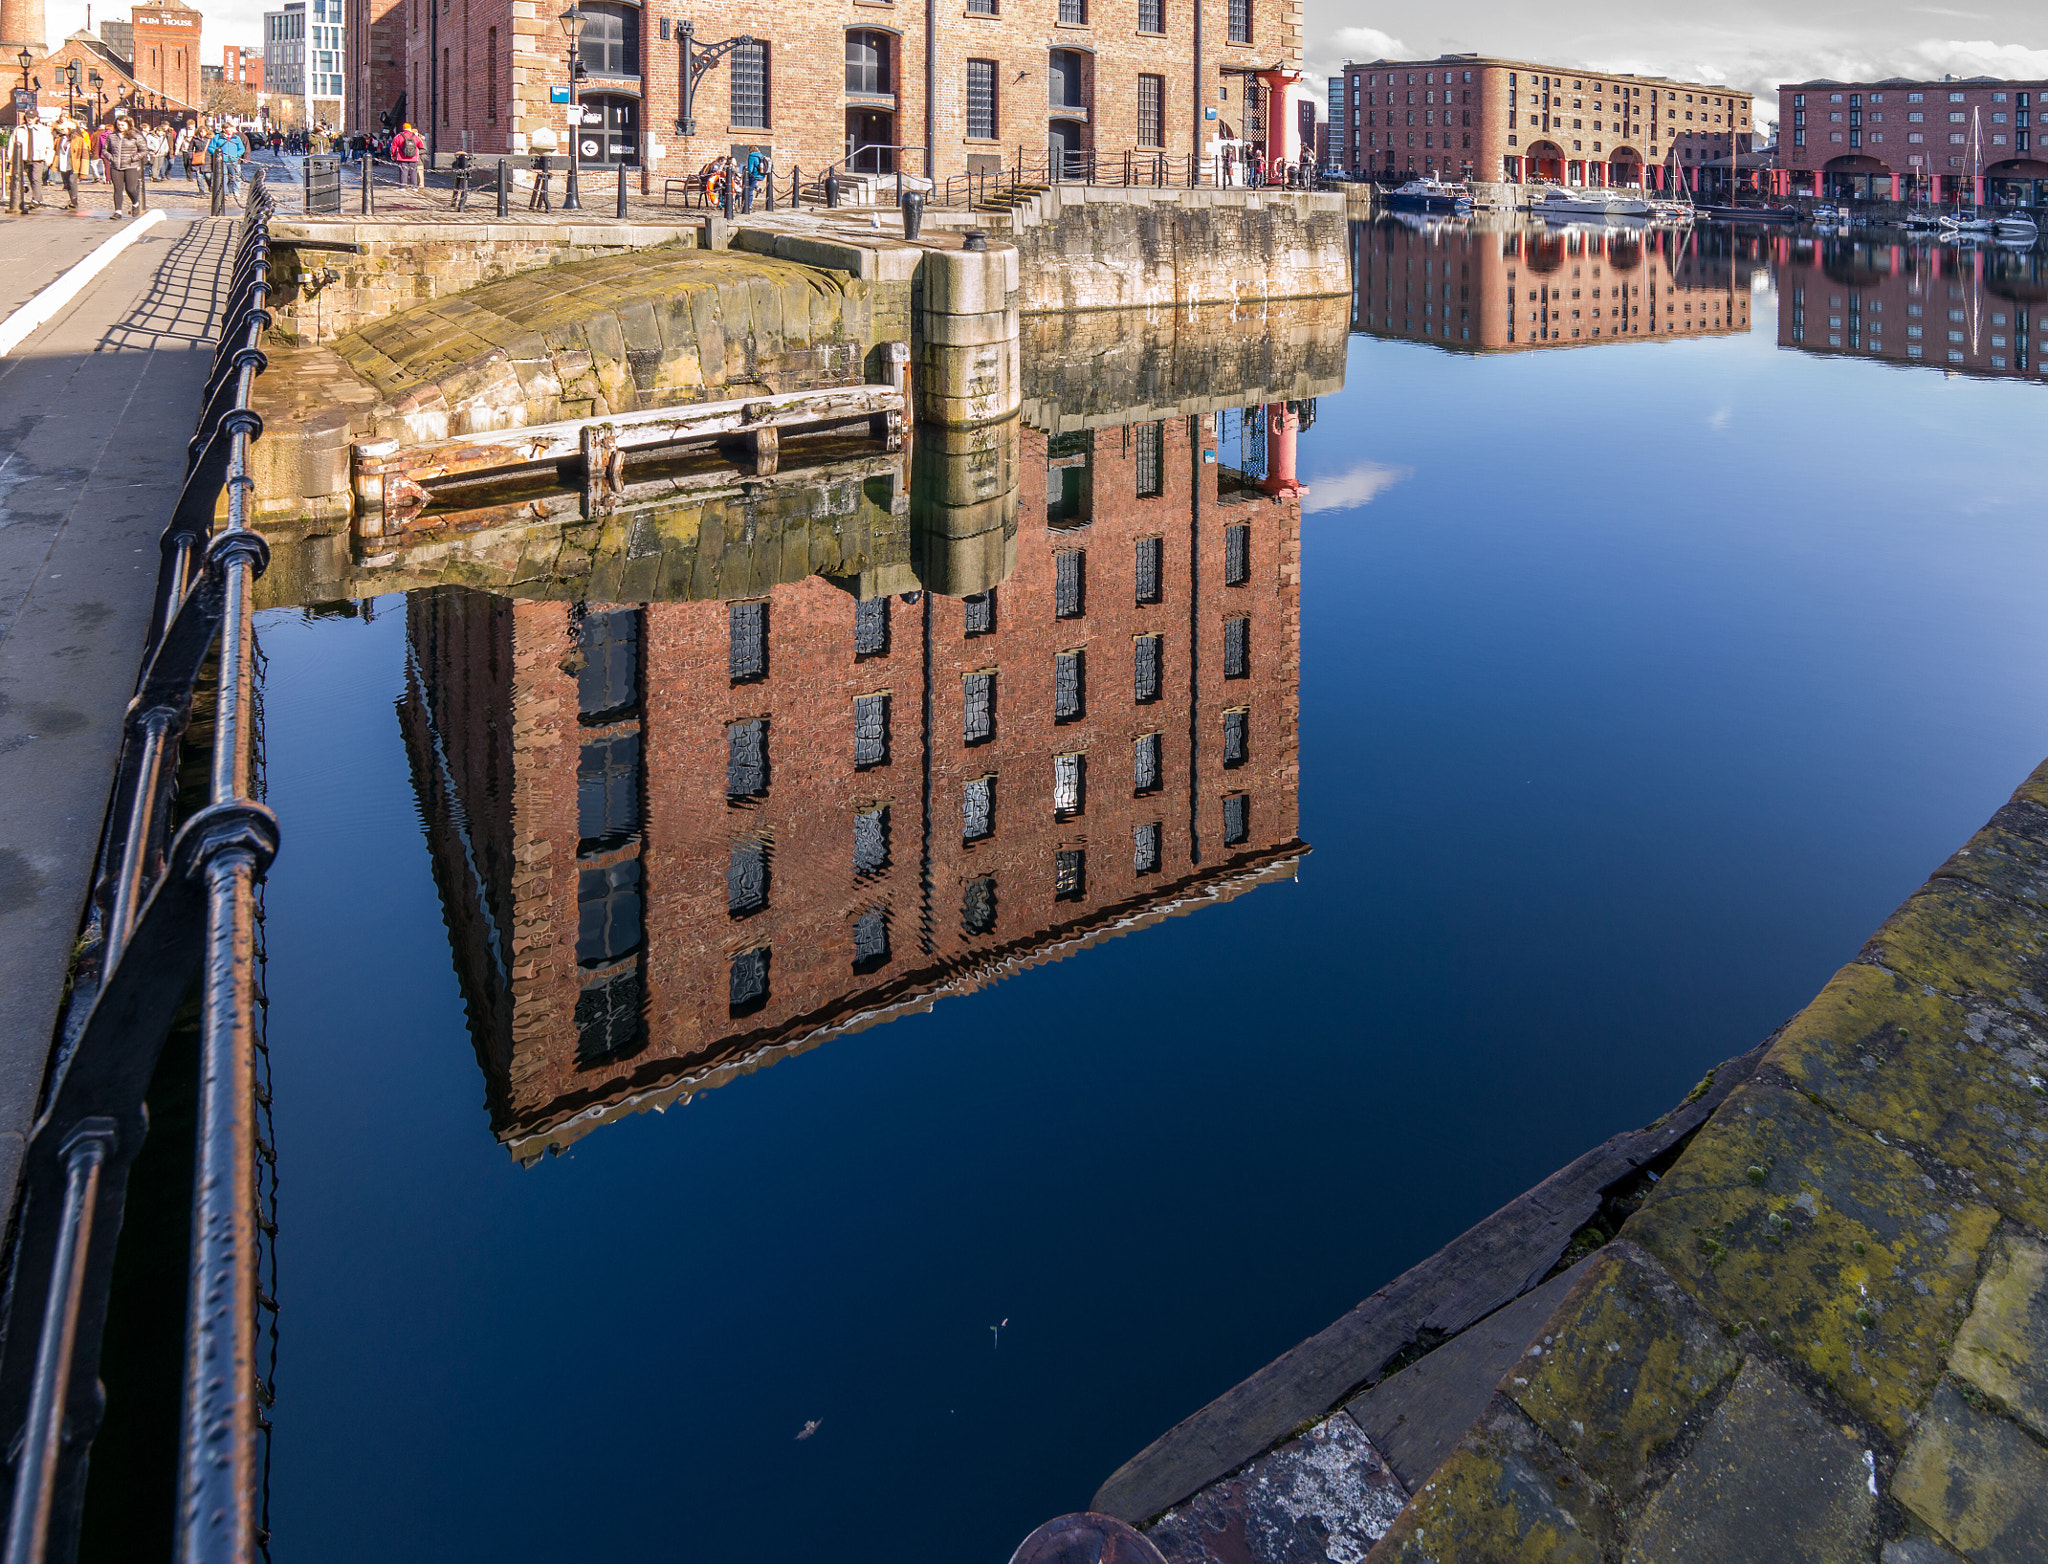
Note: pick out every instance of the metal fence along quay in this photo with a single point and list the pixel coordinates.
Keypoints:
(175, 907)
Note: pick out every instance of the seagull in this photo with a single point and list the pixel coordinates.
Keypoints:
(810, 1428)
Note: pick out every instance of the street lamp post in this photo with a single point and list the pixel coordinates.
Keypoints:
(27, 59)
(71, 89)
(93, 80)
(572, 29)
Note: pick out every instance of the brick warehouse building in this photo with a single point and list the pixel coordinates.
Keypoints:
(975, 83)
(1475, 291)
(678, 840)
(1470, 116)
(1969, 140)
(1973, 312)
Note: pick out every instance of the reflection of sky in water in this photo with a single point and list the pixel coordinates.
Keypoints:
(1637, 687)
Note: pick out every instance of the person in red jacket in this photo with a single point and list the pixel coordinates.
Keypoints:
(406, 148)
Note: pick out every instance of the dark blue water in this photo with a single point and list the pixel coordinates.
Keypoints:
(1638, 684)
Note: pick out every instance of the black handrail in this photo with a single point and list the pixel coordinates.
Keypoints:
(167, 908)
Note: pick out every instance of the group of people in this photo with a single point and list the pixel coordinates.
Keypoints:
(745, 176)
(124, 155)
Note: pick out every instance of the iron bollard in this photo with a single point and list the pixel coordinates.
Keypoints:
(218, 206)
(913, 212)
(622, 192)
(832, 187)
(504, 188)
(368, 160)
(796, 187)
(725, 197)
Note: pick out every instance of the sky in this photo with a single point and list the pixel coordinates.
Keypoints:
(1753, 44)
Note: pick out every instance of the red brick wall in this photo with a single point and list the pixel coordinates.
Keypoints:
(167, 51)
(1887, 126)
(375, 30)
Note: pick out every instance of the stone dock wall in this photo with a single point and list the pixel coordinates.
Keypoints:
(1803, 1317)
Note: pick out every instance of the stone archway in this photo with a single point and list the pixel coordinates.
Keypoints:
(1546, 162)
(1625, 167)
(1858, 177)
(2019, 181)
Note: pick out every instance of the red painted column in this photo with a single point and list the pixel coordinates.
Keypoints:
(1283, 430)
(1279, 114)
(1895, 187)
(1977, 197)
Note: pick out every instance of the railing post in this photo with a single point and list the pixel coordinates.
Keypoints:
(622, 192)
(368, 159)
(504, 188)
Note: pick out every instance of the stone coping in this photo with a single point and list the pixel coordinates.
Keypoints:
(1821, 1335)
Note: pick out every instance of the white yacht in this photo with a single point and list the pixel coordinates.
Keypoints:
(1590, 202)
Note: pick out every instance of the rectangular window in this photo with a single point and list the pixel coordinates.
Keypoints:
(607, 913)
(1237, 819)
(1069, 460)
(608, 792)
(1145, 667)
(1148, 441)
(1237, 648)
(870, 939)
(749, 985)
(1237, 555)
(981, 612)
(981, 7)
(747, 656)
(871, 840)
(1145, 848)
(1068, 695)
(1074, 12)
(608, 1017)
(1067, 777)
(1149, 551)
(981, 100)
(491, 79)
(978, 906)
(978, 709)
(978, 809)
(871, 627)
(1070, 874)
(1070, 594)
(1151, 16)
(1236, 735)
(1240, 21)
(750, 86)
(746, 878)
(1145, 763)
(746, 759)
(867, 63)
(870, 731)
(608, 683)
(1151, 111)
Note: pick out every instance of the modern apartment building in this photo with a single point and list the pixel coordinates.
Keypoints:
(1476, 292)
(1470, 116)
(1968, 312)
(980, 84)
(678, 840)
(1969, 139)
(242, 67)
(305, 57)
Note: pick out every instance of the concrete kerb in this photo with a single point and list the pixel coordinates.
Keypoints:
(43, 308)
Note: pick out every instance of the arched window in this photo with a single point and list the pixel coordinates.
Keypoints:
(1064, 79)
(611, 40)
(867, 62)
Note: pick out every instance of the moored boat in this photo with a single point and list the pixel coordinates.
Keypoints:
(1594, 202)
(1429, 194)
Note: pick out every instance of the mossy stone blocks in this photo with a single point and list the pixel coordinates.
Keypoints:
(2002, 1348)
(2009, 856)
(1836, 1247)
(1963, 939)
(1978, 1482)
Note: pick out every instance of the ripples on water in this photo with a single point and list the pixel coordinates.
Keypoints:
(1619, 694)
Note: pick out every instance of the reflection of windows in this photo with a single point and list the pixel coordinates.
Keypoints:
(978, 809)
(870, 939)
(746, 878)
(871, 627)
(607, 792)
(1145, 764)
(981, 612)
(867, 62)
(871, 840)
(1145, 667)
(746, 759)
(1066, 686)
(1237, 555)
(978, 906)
(750, 86)
(608, 1017)
(1070, 874)
(749, 988)
(1149, 551)
(608, 683)
(978, 713)
(1236, 735)
(1237, 819)
(748, 656)
(610, 45)
(1070, 583)
(607, 913)
(1147, 440)
(1145, 848)
(870, 731)
(1237, 648)
(1067, 779)
(981, 100)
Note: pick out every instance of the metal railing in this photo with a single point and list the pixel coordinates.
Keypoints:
(169, 908)
(1133, 168)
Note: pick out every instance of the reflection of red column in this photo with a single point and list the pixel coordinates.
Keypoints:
(1279, 114)
(1283, 429)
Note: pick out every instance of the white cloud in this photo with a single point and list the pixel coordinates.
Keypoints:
(1326, 54)
(1362, 485)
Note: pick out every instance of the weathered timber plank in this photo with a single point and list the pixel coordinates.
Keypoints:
(1488, 1266)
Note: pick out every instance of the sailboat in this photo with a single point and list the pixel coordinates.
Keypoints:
(1956, 224)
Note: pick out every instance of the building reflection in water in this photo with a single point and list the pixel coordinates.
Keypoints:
(1486, 286)
(1976, 310)
(801, 761)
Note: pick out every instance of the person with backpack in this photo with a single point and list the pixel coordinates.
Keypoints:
(406, 148)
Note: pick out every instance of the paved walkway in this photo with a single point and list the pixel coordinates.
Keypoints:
(95, 410)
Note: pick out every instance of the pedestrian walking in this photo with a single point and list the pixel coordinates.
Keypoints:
(36, 146)
(193, 150)
(73, 148)
(158, 146)
(125, 154)
(406, 148)
(753, 184)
